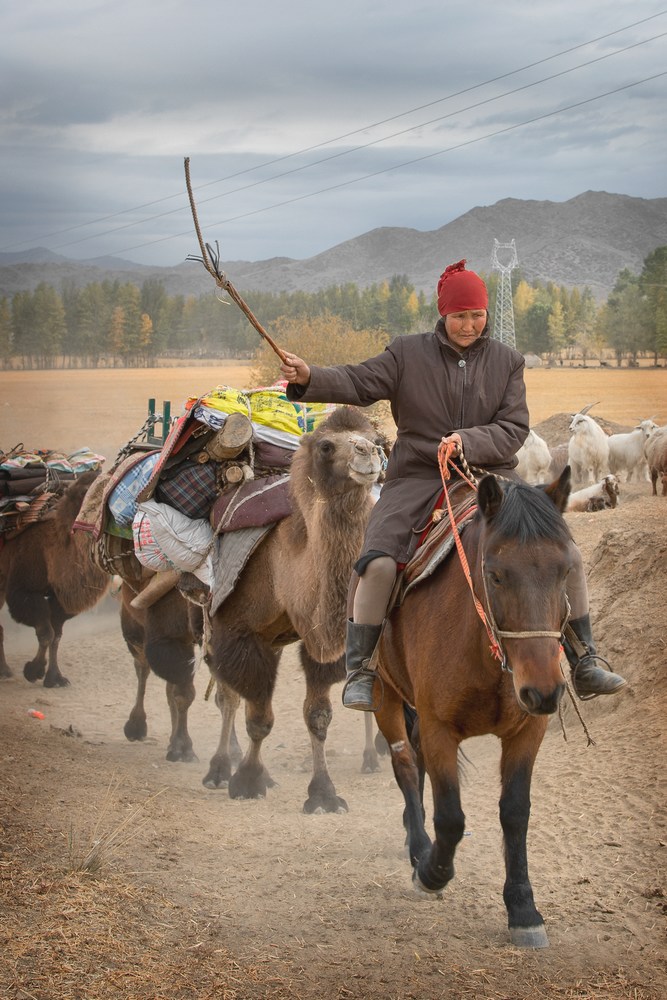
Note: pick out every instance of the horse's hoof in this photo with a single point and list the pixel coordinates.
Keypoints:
(529, 937)
(422, 893)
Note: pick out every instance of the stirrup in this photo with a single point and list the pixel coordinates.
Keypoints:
(587, 661)
(362, 699)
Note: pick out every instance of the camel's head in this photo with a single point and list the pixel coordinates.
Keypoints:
(342, 452)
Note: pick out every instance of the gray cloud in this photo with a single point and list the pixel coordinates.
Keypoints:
(103, 101)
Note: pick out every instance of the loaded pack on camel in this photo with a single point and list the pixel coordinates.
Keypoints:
(46, 575)
(190, 513)
(32, 482)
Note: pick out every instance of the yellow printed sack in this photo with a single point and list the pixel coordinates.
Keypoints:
(223, 398)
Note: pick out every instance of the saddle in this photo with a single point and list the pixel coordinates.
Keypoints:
(437, 538)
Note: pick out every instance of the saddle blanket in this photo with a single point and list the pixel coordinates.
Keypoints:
(227, 559)
(252, 504)
(438, 541)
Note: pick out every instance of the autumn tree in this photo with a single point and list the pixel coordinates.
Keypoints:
(653, 287)
(5, 332)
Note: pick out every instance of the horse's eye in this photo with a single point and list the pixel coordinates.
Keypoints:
(494, 578)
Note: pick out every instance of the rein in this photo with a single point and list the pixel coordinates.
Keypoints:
(445, 461)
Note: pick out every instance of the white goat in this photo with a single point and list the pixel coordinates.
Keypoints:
(534, 459)
(626, 451)
(596, 497)
(588, 448)
(655, 450)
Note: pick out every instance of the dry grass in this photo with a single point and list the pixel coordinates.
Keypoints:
(37, 407)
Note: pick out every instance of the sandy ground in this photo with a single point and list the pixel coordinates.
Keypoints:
(195, 894)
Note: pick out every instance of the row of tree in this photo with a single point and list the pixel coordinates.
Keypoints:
(109, 323)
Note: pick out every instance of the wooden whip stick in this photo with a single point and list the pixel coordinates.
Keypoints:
(211, 260)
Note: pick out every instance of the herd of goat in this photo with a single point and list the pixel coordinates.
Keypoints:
(592, 454)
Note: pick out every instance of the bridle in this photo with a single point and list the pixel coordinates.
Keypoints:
(532, 634)
(445, 461)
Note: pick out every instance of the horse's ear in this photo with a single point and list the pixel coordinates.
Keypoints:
(489, 496)
(559, 490)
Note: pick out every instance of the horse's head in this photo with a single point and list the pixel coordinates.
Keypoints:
(526, 557)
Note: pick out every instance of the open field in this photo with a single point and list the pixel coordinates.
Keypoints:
(103, 409)
(200, 895)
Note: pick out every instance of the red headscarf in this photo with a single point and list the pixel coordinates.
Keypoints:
(459, 290)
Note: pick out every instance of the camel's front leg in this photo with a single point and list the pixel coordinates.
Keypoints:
(371, 760)
(53, 677)
(251, 779)
(518, 757)
(5, 670)
(136, 727)
(35, 669)
(179, 698)
(317, 713)
(220, 766)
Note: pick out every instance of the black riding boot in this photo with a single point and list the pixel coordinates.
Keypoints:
(588, 678)
(361, 642)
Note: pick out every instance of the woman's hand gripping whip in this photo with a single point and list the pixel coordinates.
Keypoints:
(210, 258)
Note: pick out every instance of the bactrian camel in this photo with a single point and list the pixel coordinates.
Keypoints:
(48, 577)
(295, 587)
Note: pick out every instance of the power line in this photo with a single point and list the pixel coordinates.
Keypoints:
(367, 145)
(407, 163)
(348, 135)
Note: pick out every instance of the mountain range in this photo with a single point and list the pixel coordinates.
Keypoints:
(585, 241)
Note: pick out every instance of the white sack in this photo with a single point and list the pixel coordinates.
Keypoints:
(166, 539)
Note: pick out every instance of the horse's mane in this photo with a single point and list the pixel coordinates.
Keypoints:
(527, 514)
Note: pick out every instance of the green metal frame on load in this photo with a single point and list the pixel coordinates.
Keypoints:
(153, 437)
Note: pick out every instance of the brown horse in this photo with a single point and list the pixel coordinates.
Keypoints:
(436, 655)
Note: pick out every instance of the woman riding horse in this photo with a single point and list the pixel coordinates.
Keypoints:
(458, 385)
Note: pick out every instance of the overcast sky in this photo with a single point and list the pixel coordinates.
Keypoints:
(308, 124)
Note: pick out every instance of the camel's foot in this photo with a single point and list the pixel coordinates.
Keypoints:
(53, 680)
(135, 729)
(5, 672)
(371, 762)
(529, 937)
(250, 782)
(322, 797)
(180, 751)
(219, 772)
(34, 670)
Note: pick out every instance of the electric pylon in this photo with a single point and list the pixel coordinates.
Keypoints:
(503, 325)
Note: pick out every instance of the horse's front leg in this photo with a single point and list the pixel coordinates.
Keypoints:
(317, 714)
(392, 720)
(518, 756)
(436, 868)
